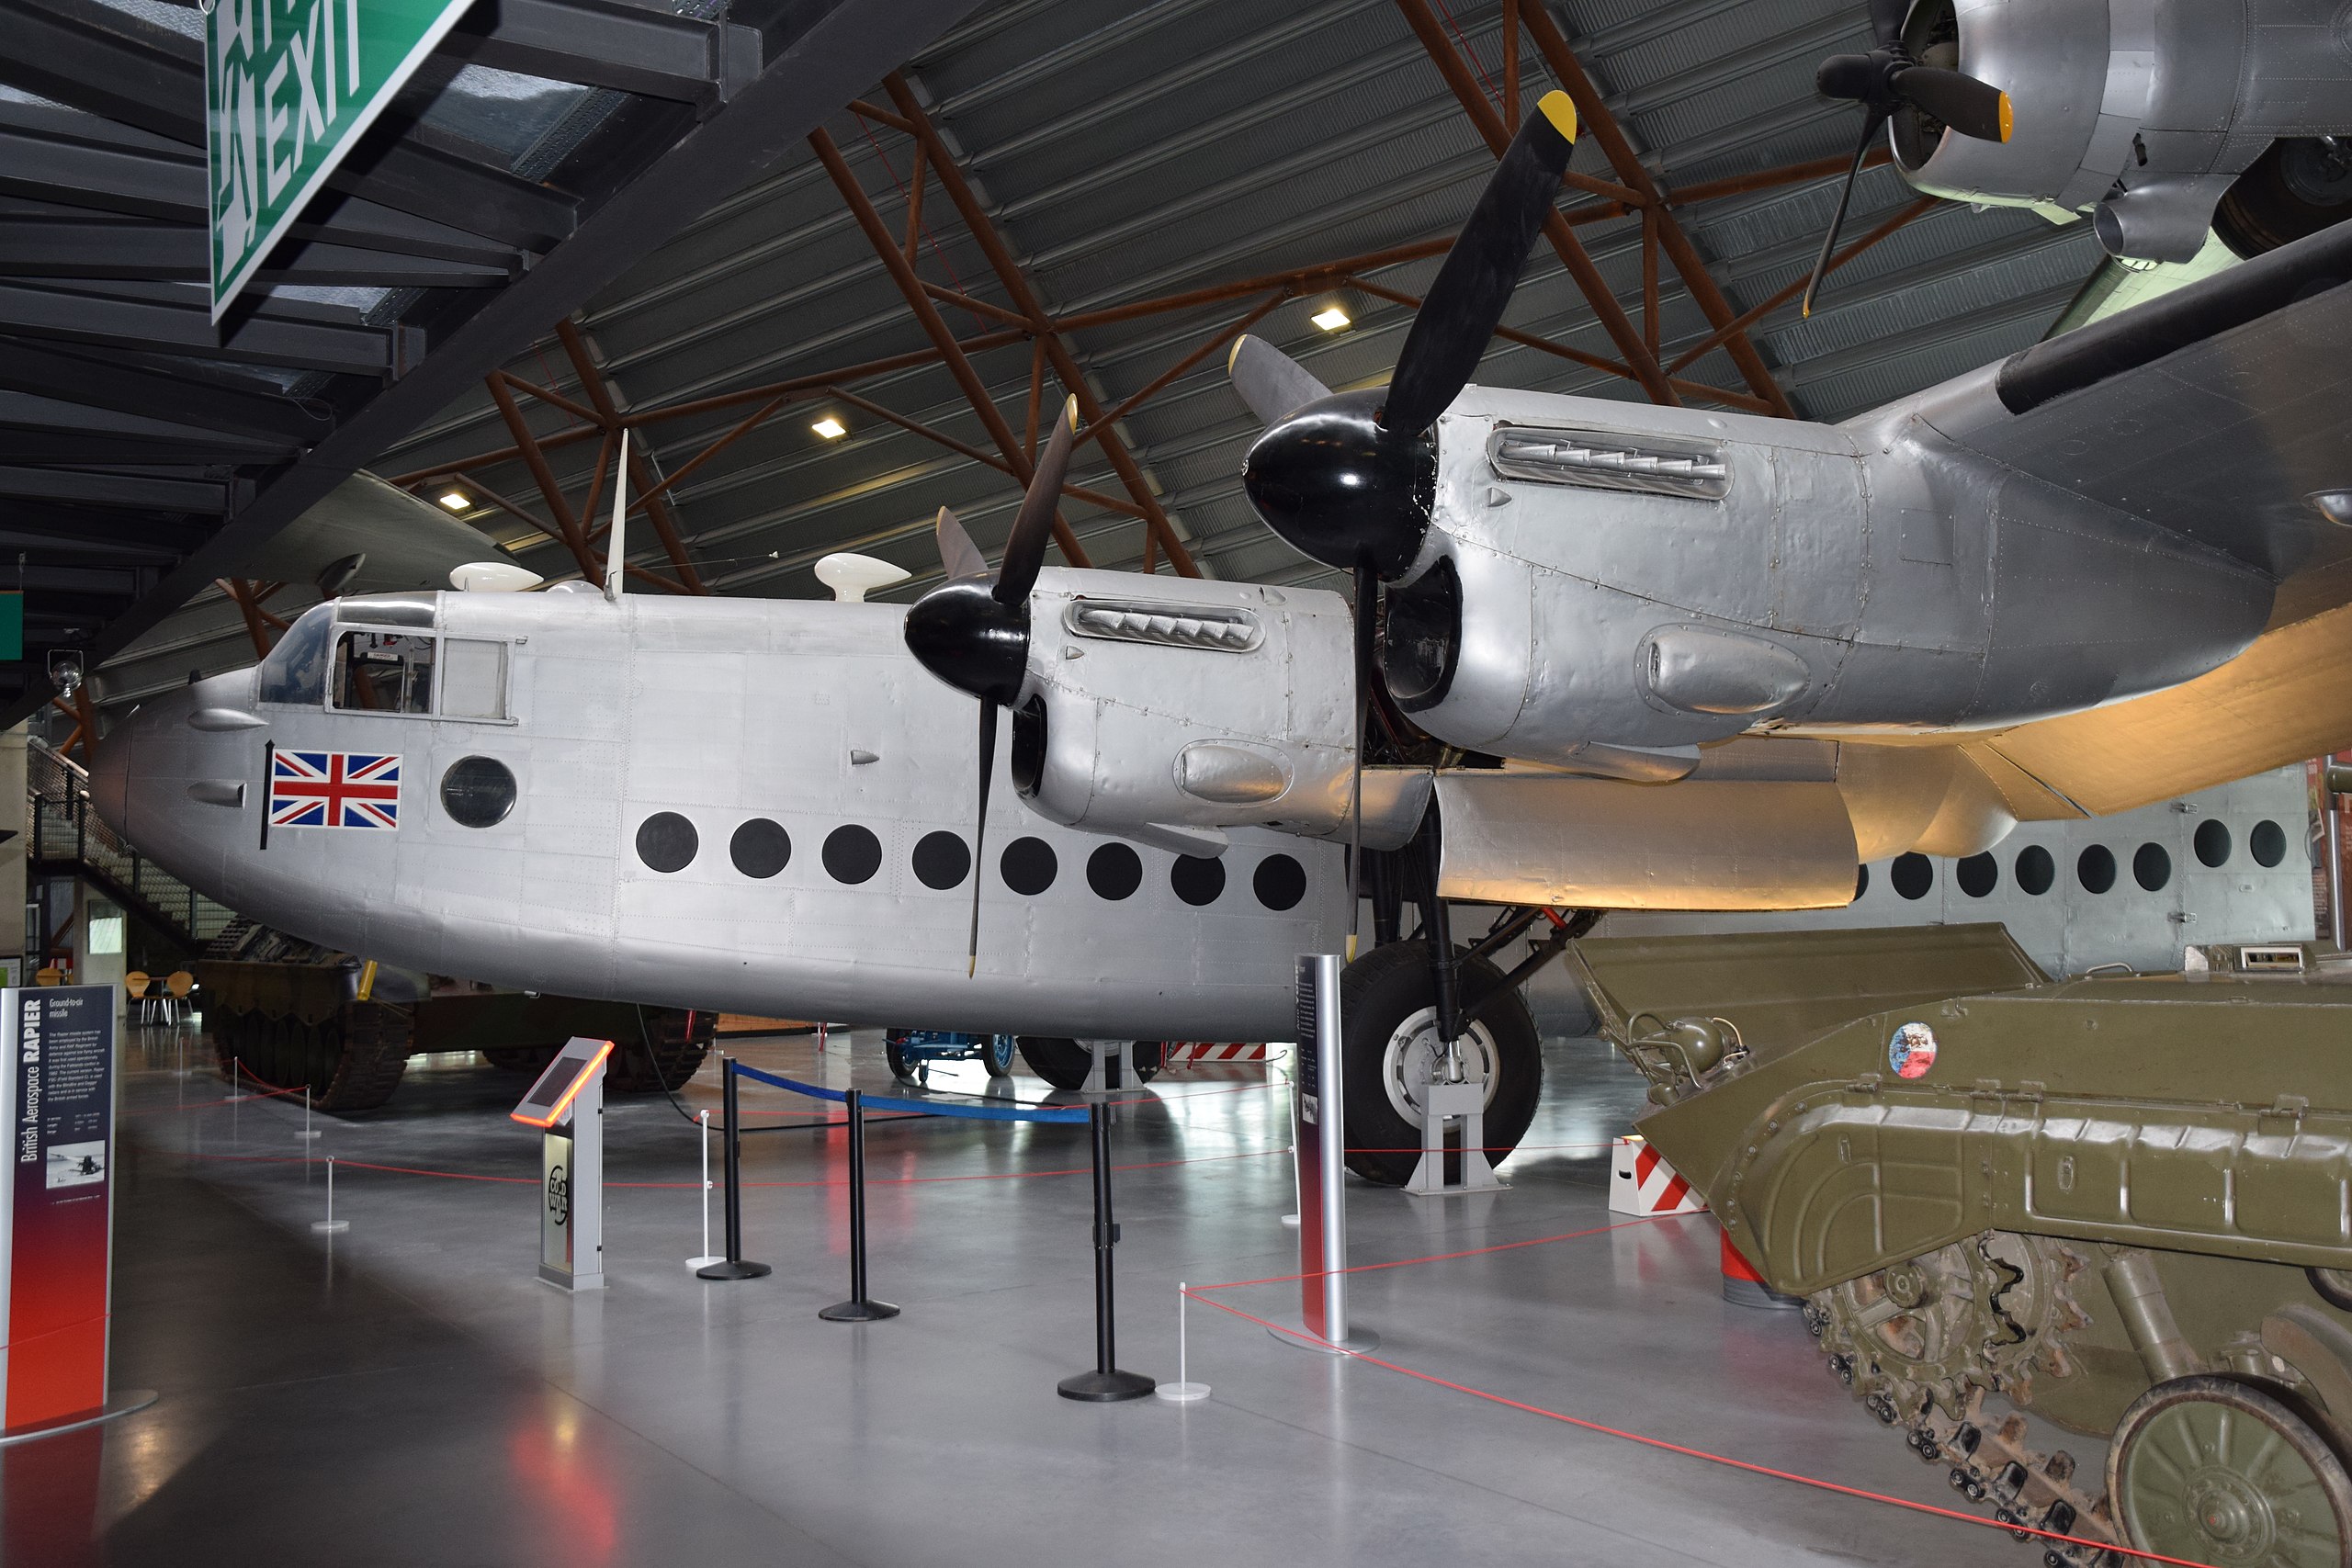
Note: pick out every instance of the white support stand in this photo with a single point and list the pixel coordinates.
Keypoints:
(1113, 1069)
(708, 1256)
(1465, 1105)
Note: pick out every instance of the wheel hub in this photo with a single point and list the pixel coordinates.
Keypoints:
(1413, 1056)
(2233, 1516)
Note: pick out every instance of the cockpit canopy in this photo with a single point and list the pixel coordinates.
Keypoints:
(379, 653)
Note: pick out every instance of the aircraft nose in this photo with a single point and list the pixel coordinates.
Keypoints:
(110, 773)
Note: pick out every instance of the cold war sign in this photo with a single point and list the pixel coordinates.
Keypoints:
(289, 87)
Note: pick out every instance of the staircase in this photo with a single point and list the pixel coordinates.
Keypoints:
(66, 837)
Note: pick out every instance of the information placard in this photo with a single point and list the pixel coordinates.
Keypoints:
(57, 1206)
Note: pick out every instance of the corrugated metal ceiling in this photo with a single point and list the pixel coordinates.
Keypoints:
(1129, 152)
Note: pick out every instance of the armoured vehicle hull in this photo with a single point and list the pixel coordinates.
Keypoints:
(2119, 1207)
(293, 1014)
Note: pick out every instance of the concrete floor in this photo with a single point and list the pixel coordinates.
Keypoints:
(408, 1394)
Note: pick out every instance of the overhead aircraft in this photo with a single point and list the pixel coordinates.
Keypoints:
(1660, 658)
(2163, 122)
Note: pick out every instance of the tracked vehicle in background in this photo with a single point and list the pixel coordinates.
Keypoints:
(2117, 1208)
(294, 1014)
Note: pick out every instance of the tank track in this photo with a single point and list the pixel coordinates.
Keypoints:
(376, 1043)
(1923, 1343)
(667, 1058)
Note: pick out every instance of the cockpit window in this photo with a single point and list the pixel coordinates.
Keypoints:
(296, 669)
(384, 673)
(388, 609)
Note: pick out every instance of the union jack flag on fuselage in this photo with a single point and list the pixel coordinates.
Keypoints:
(334, 789)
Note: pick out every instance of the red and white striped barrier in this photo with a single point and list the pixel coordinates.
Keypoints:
(1641, 1182)
(1191, 1053)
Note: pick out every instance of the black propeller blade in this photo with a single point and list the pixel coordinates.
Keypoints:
(972, 631)
(1887, 81)
(1465, 304)
(1348, 480)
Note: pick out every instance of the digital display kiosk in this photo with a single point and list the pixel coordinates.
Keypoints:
(567, 1104)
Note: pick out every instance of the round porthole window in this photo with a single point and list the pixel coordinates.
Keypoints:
(2212, 843)
(1028, 866)
(1280, 883)
(2266, 843)
(760, 847)
(942, 860)
(2036, 871)
(1115, 871)
(1198, 879)
(1977, 875)
(853, 855)
(477, 792)
(2094, 869)
(2151, 867)
(1913, 874)
(667, 842)
(1861, 880)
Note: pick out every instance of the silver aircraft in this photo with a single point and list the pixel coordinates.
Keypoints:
(2163, 122)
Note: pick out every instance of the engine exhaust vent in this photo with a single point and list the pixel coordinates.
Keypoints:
(1602, 460)
(1226, 630)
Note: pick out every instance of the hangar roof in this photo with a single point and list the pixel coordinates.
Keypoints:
(1121, 154)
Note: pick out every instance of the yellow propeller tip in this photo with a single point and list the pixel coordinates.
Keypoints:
(1069, 410)
(1234, 352)
(1561, 111)
(2008, 117)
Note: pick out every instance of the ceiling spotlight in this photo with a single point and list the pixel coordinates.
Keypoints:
(829, 428)
(1331, 318)
(456, 499)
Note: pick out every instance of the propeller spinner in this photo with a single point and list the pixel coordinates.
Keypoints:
(972, 631)
(1349, 478)
(1888, 79)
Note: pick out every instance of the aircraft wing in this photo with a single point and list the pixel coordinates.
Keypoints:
(2219, 412)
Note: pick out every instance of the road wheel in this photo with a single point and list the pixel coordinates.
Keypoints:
(998, 1054)
(2216, 1470)
(904, 1069)
(1388, 1040)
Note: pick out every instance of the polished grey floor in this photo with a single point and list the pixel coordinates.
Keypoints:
(407, 1392)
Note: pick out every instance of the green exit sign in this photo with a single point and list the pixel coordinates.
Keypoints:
(289, 86)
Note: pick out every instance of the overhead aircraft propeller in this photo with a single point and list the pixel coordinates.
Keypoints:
(972, 631)
(1348, 480)
(1887, 80)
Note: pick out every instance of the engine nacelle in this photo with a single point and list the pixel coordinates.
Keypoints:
(1179, 703)
(2142, 113)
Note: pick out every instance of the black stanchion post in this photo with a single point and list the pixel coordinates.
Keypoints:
(734, 1268)
(857, 1309)
(1106, 1383)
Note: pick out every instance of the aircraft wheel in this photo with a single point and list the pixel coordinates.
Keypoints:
(1059, 1061)
(904, 1069)
(2294, 189)
(1388, 1037)
(996, 1056)
(2217, 1470)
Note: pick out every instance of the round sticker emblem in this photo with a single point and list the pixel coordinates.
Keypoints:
(1912, 1051)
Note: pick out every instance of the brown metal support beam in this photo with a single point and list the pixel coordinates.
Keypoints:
(1152, 388)
(1554, 46)
(961, 449)
(553, 399)
(1918, 209)
(1024, 298)
(641, 473)
(535, 460)
(1611, 315)
(910, 286)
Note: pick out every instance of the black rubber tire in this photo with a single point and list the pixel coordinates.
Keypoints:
(1060, 1061)
(1378, 993)
(665, 1058)
(900, 1067)
(998, 1054)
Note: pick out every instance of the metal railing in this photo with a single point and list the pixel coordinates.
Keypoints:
(62, 829)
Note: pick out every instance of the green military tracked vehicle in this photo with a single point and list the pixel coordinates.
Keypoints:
(290, 1014)
(2119, 1206)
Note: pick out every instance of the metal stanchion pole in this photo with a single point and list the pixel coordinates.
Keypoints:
(706, 1258)
(1105, 1383)
(857, 1309)
(734, 1268)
